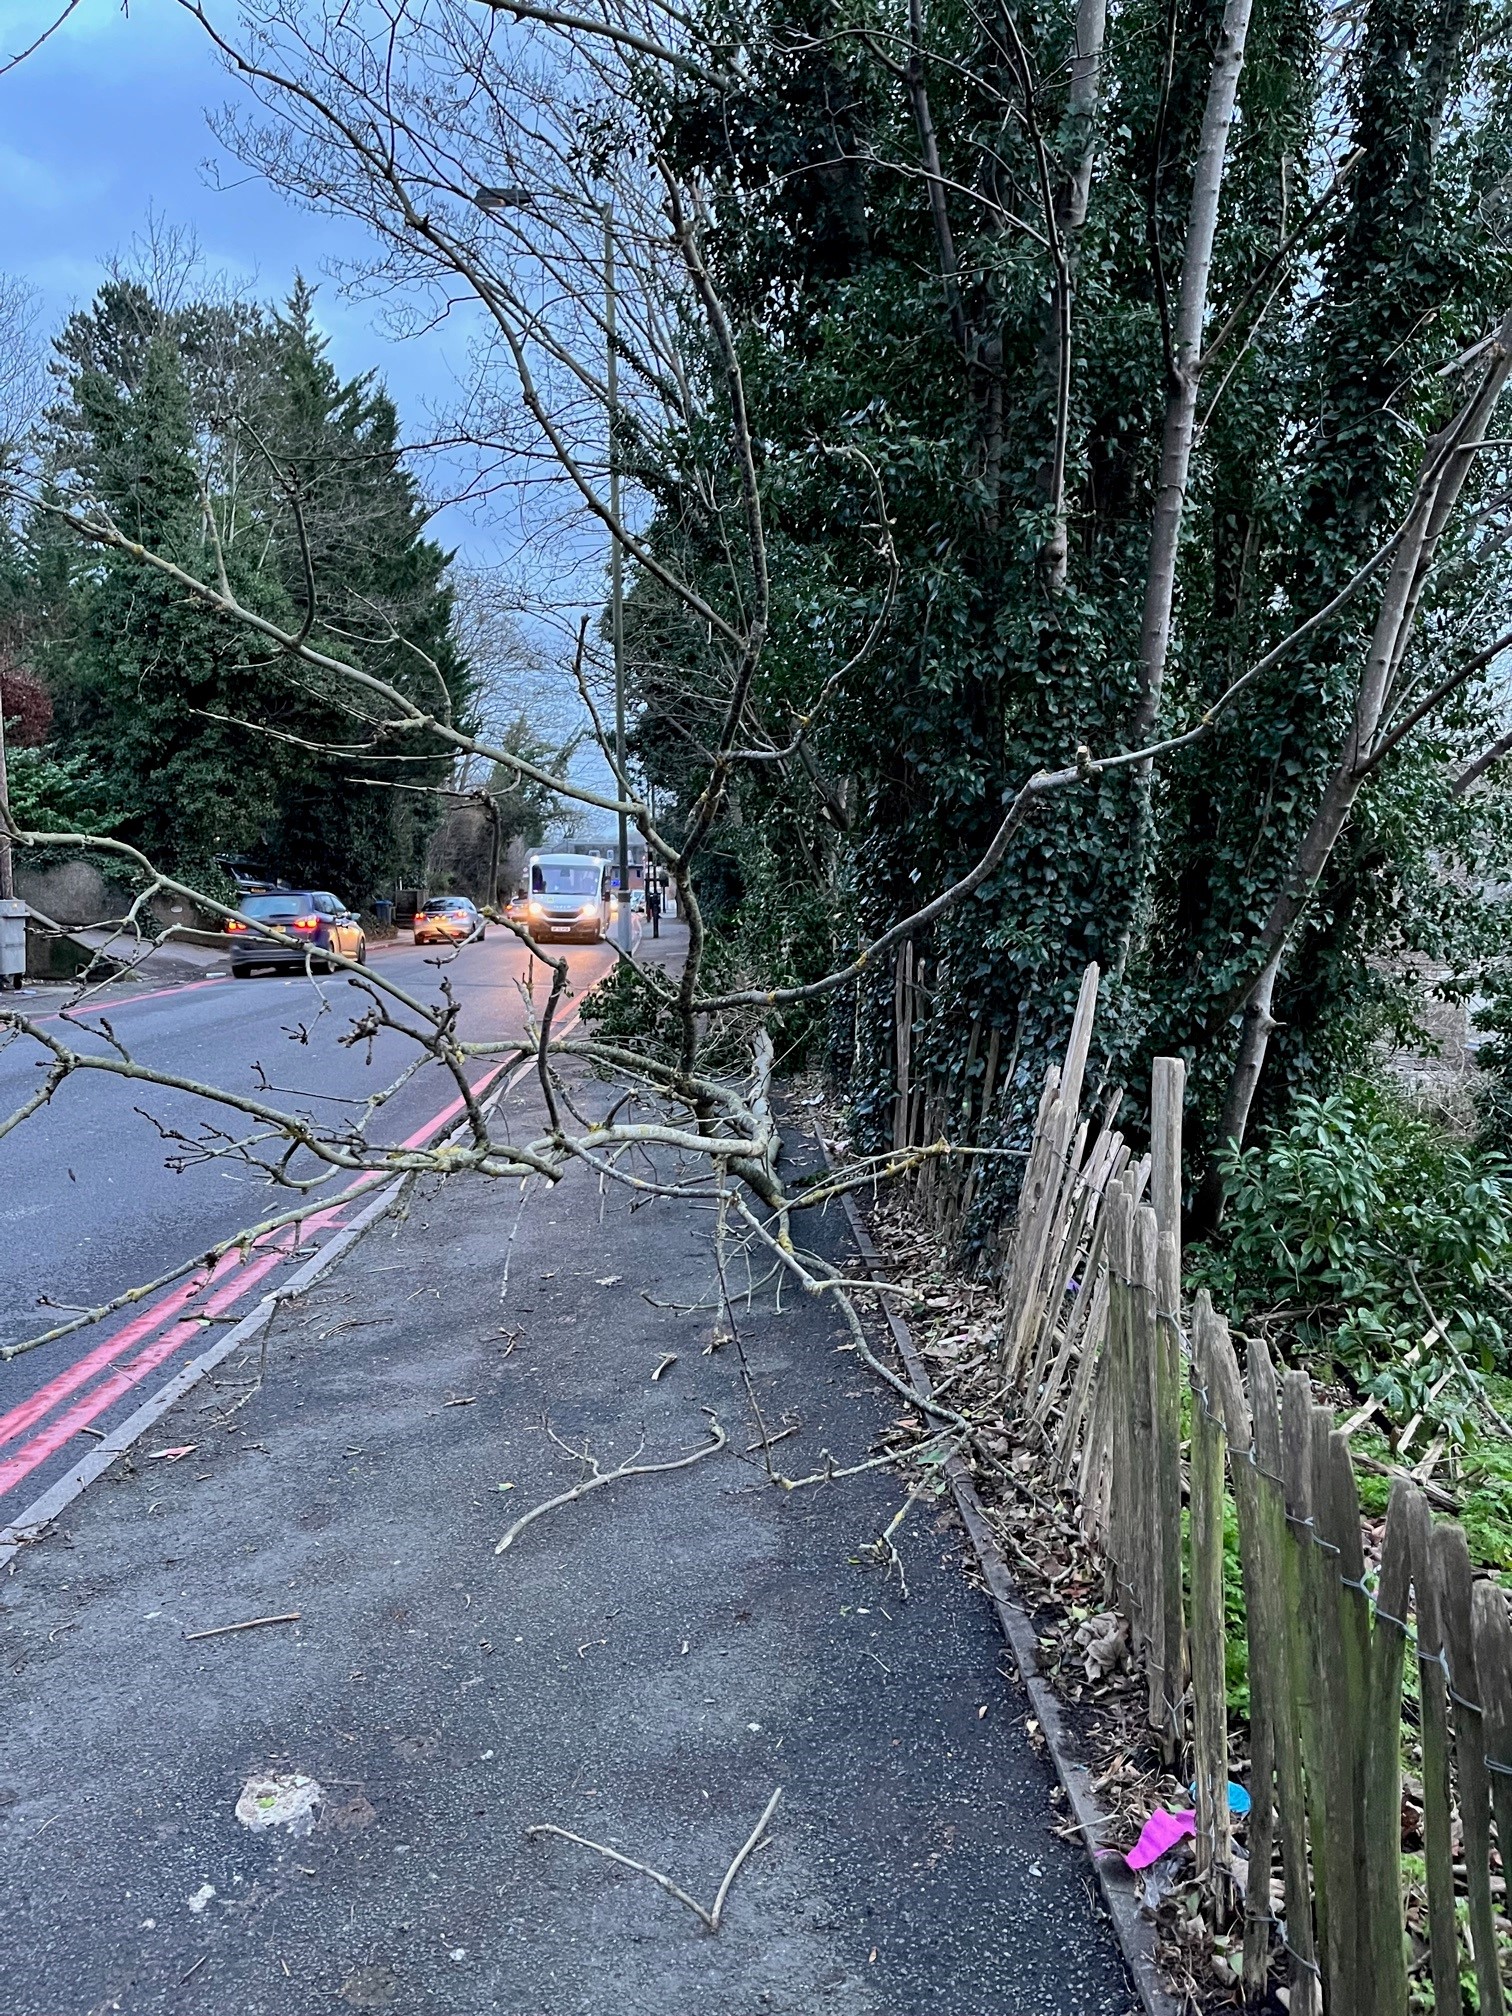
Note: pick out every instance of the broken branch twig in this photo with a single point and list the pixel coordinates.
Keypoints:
(609, 1477)
(711, 1916)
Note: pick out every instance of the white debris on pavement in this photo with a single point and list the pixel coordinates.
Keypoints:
(288, 1800)
(201, 1898)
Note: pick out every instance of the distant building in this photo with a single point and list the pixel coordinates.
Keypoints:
(608, 850)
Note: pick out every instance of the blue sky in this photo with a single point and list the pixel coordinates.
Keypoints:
(104, 127)
(106, 124)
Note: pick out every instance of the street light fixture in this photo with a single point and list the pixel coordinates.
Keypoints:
(491, 202)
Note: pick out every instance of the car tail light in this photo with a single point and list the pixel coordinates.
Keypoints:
(304, 924)
(235, 924)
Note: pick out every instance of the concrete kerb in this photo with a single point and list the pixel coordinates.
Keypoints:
(1135, 1933)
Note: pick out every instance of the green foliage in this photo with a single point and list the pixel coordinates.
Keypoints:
(59, 793)
(220, 436)
(1485, 1485)
(1349, 1225)
(1493, 1020)
(822, 243)
(624, 1008)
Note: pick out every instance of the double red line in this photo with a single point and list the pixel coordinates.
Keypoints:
(94, 1382)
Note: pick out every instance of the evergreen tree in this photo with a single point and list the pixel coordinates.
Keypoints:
(150, 671)
(217, 433)
(381, 596)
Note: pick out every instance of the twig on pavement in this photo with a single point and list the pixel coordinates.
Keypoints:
(610, 1477)
(883, 1545)
(711, 1916)
(247, 1624)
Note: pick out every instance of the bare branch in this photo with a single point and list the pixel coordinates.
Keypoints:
(599, 1478)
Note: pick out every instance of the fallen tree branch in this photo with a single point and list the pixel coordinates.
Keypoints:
(611, 1477)
(711, 1916)
(830, 1475)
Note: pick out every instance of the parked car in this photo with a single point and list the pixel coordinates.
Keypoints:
(448, 920)
(319, 923)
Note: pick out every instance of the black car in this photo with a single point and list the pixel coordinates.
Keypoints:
(449, 920)
(318, 923)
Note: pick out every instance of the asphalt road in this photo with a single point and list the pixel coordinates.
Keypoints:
(644, 1667)
(91, 1206)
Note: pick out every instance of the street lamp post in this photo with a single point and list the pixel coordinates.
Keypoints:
(616, 585)
(13, 927)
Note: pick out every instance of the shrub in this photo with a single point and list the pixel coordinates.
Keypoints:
(1348, 1226)
(57, 793)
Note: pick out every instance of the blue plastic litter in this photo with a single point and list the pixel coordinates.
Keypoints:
(1239, 1799)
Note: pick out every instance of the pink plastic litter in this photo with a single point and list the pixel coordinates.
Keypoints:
(1160, 1833)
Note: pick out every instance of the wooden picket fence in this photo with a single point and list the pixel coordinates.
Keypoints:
(1142, 1413)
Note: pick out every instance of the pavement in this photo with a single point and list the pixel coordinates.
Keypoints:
(643, 1667)
(92, 1203)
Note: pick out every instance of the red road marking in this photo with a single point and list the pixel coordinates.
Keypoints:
(246, 1275)
(449, 1113)
(31, 1410)
(26, 1413)
(109, 1390)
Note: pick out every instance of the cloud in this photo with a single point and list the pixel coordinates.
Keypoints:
(33, 184)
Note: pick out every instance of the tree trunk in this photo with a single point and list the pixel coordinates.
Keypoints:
(918, 98)
(1070, 215)
(1186, 363)
(1447, 463)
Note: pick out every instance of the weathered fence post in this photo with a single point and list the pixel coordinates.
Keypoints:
(1381, 1790)
(1433, 1710)
(1492, 1627)
(1301, 1608)
(1452, 1560)
(1277, 1634)
(1207, 1639)
(1167, 1099)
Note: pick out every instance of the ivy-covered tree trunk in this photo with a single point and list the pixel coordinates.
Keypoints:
(1283, 250)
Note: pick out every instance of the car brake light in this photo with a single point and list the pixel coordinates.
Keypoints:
(235, 924)
(304, 924)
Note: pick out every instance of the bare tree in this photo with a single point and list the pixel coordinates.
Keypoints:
(460, 143)
(23, 377)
